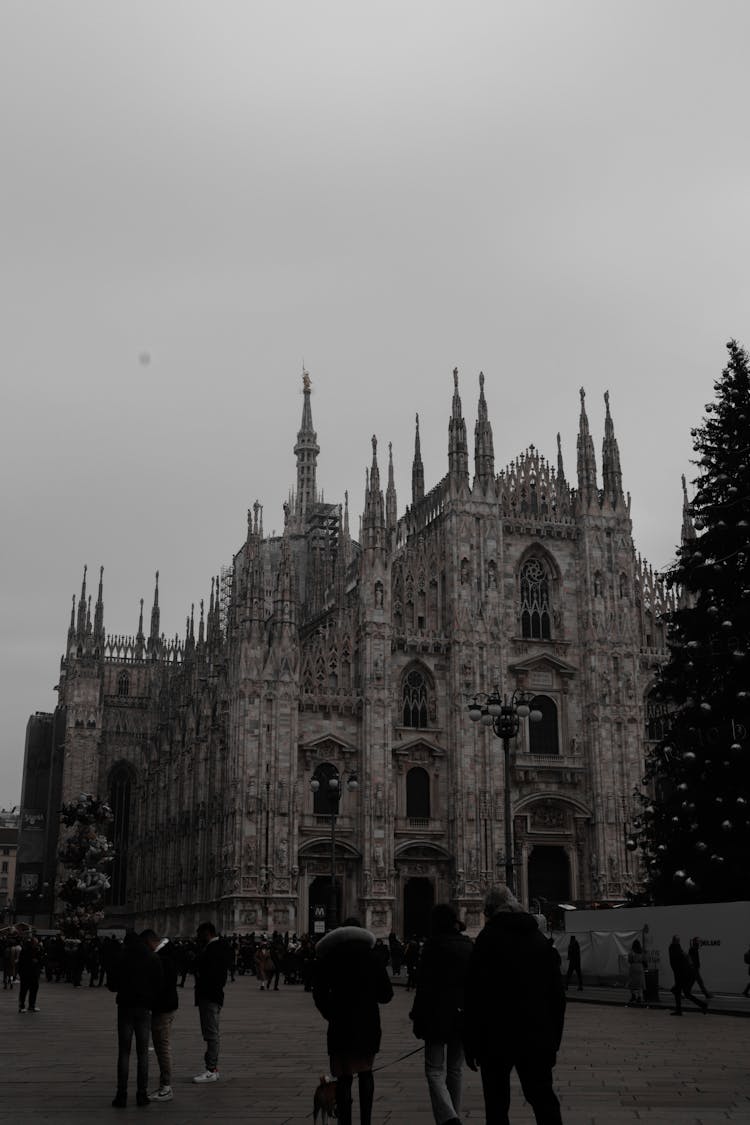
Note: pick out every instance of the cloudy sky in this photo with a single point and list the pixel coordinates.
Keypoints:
(197, 197)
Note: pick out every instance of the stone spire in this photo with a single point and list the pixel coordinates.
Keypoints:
(373, 519)
(611, 472)
(458, 449)
(688, 527)
(285, 599)
(560, 469)
(153, 636)
(72, 626)
(417, 470)
(306, 451)
(201, 629)
(391, 506)
(99, 637)
(81, 622)
(139, 637)
(484, 453)
(586, 457)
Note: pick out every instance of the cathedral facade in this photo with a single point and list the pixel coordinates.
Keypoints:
(323, 656)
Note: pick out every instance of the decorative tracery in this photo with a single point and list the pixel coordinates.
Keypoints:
(535, 603)
(415, 699)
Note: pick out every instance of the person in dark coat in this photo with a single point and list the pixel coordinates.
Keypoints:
(29, 970)
(136, 977)
(694, 953)
(514, 1011)
(574, 962)
(438, 1011)
(349, 984)
(163, 1012)
(684, 978)
(210, 979)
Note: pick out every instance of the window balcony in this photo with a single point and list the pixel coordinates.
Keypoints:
(419, 826)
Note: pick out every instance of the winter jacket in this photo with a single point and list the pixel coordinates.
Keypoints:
(439, 999)
(679, 962)
(349, 984)
(167, 1000)
(30, 961)
(136, 977)
(515, 998)
(210, 974)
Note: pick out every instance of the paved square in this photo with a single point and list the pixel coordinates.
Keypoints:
(617, 1065)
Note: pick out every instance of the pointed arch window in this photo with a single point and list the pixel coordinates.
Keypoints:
(544, 736)
(123, 685)
(415, 698)
(418, 793)
(322, 796)
(535, 604)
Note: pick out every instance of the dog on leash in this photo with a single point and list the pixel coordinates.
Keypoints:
(324, 1102)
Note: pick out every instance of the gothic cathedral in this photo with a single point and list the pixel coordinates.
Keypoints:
(321, 658)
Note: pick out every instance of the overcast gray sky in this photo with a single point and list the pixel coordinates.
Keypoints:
(554, 193)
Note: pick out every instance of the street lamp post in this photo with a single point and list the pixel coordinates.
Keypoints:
(504, 714)
(327, 778)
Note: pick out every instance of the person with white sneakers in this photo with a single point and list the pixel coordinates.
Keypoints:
(210, 979)
(163, 1012)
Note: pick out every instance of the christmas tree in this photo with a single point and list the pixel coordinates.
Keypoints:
(694, 825)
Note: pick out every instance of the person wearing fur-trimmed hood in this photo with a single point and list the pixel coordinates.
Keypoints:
(349, 984)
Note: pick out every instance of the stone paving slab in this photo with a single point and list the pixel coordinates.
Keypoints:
(617, 1065)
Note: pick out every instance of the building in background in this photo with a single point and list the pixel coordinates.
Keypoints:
(320, 654)
(9, 821)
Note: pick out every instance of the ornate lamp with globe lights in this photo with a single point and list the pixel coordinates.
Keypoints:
(328, 780)
(504, 714)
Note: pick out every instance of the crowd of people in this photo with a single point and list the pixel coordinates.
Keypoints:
(492, 1004)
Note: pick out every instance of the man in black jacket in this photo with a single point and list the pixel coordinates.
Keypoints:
(515, 1008)
(210, 978)
(136, 977)
(163, 1012)
(438, 1011)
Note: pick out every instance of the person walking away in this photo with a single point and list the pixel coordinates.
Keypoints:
(210, 979)
(514, 1010)
(349, 984)
(163, 1012)
(438, 1012)
(137, 979)
(747, 962)
(636, 974)
(683, 978)
(278, 954)
(411, 960)
(574, 962)
(694, 953)
(397, 954)
(264, 965)
(29, 970)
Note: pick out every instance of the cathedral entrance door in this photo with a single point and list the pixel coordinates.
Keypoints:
(419, 899)
(318, 900)
(549, 873)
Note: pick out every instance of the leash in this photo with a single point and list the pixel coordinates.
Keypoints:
(375, 1069)
(401, 1058)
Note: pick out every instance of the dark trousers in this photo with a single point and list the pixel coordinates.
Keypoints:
(683, 988)
(535, 1076)
(571, 970)
(130, 1022)
(29, 985)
